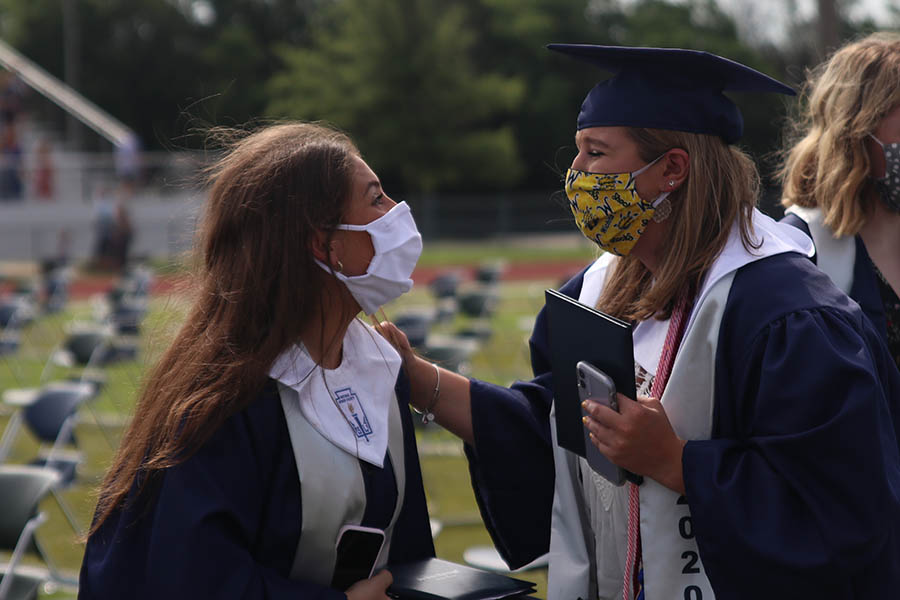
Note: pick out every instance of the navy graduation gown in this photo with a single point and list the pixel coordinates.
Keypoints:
(226, 522)
(798, 493)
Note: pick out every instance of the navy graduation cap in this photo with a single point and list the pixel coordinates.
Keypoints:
(667, 88)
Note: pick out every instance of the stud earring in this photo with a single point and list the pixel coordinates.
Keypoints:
(671, 183)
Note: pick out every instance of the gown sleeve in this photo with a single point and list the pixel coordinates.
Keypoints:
(511, 463)
(798, 491)
(223, 524)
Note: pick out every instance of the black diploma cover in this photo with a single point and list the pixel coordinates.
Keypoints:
(579, 332)
(436, 579)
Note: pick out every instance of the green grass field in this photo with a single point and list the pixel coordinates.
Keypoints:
(559, 248)
(501, 359)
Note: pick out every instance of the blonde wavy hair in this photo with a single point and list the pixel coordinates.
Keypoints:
(825, 163)
(722, 188)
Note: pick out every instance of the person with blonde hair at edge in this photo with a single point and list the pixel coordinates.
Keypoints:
(841, 175)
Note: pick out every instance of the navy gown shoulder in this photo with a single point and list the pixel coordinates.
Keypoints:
(801, 479)
(226, 522)
(511, 463)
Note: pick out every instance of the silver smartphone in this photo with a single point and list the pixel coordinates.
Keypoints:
(599, 387)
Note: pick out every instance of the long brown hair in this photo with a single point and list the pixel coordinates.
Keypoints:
(825, 163)
(258, 288)
(722, 187)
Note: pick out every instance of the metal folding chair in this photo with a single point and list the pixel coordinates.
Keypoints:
(50, 413)
(21, 490)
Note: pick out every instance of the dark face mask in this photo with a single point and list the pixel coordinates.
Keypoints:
(889, 185)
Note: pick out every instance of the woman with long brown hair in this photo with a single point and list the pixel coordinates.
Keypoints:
(841, 174)
(276, 419)
(763, 438)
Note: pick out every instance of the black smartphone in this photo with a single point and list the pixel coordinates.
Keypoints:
(358, 548)
(599, 387)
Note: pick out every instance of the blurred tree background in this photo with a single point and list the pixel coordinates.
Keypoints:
(441, 96)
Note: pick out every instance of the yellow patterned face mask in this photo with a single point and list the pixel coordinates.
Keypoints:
(608, 210)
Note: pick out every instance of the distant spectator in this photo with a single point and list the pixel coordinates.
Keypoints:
(122, 234)
(104, 225)
(43, 171)
(54, 275)
(127, 158)
(10, 160)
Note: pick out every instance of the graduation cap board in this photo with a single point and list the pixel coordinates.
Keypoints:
(667, 88)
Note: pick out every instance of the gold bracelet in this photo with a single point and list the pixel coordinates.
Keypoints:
(428, 413)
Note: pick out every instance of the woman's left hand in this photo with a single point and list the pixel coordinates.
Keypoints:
(639, 438)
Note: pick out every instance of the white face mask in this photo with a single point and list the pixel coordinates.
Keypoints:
(397, 244)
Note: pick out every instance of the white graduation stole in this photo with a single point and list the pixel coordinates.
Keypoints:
(332, 491)
(671, 558)
(835, 256)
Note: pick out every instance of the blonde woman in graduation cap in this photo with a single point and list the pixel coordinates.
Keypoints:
(764, 429)
(275, 426)
(842, 175)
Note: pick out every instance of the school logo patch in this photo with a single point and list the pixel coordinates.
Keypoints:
(349, 404)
